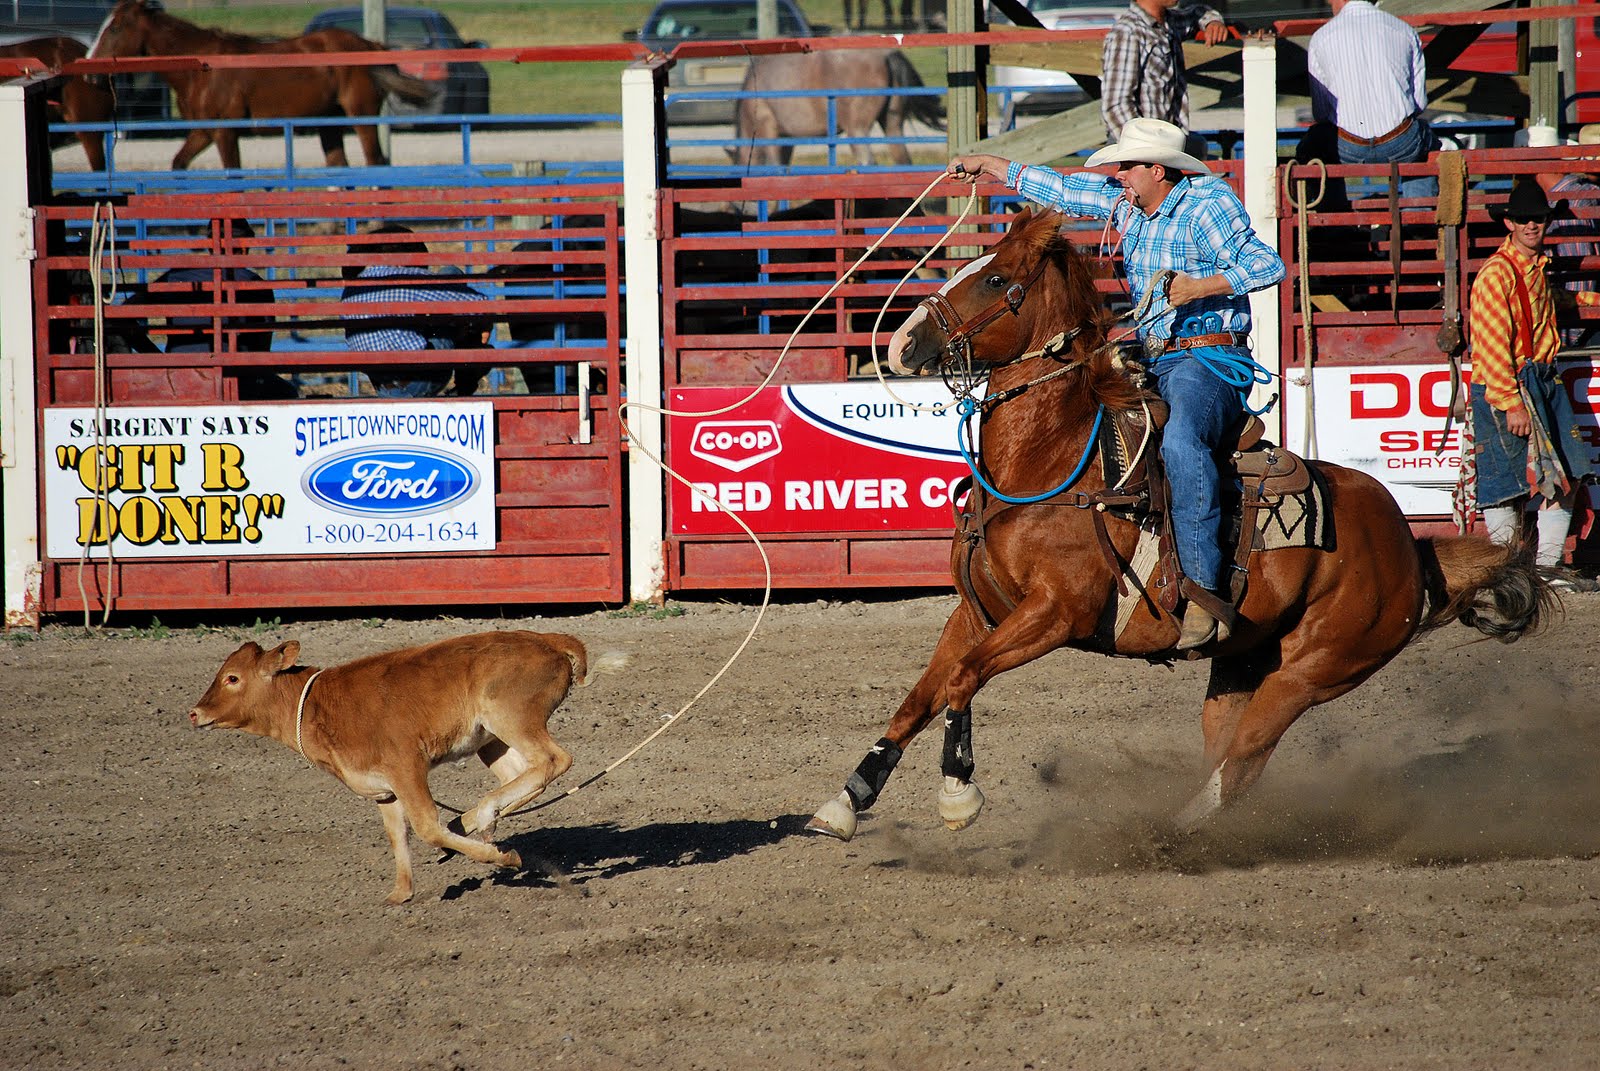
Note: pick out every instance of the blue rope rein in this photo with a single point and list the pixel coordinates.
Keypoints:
(967, 407)
(1239, 371)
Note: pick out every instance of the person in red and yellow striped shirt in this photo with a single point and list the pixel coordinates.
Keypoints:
(1517, 400)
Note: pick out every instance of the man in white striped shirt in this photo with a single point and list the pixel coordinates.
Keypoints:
(1368, 80)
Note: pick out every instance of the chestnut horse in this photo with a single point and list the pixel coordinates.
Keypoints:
(765, 118)
(1313, 623)
(80, 100)
(136, 28)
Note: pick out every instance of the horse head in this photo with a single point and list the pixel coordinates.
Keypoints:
(126, 31)
(1029, 287)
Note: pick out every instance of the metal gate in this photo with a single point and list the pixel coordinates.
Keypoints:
(538, 274)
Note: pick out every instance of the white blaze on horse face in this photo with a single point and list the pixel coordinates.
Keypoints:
(902, 336)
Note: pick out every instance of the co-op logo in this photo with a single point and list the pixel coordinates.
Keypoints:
(735, 444)
(394, 481)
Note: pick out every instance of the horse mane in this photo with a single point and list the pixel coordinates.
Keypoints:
(1109, 382)
(225, 39)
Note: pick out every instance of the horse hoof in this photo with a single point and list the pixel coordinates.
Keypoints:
(1207, 802)
(959, 803)
(836, 818)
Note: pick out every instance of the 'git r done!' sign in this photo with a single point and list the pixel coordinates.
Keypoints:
(373, 478)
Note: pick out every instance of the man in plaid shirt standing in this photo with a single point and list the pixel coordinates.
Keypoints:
(1141, 66)
(1175, 216)
(1526, 438)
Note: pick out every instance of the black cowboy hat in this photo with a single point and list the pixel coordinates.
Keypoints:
(1527, 201)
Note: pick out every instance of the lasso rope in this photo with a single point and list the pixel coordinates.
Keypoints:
(102, 245)
(1308, 338)
(766, 564)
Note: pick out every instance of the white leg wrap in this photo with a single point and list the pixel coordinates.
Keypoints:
(1553, 525)
(959, 803)
(1504, 524)
(1207, 802)
(836, 818)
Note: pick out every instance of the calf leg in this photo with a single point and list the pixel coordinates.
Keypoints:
(411, 789)
(506, 765)
(394, 824)
(542, 761)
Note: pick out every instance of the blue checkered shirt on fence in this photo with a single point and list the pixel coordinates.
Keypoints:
(1141, 66)
(1200, 229)
(409, 381)
(388, 336)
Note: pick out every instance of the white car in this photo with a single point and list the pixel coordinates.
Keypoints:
(1038, 90)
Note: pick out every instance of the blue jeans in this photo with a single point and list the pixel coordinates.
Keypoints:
(1503, 457)
(1412, 147)
(1205, 410)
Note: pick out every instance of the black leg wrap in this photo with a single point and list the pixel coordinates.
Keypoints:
(869, 778)
(958, 759)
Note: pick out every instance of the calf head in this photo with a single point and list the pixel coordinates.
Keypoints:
(241, 695)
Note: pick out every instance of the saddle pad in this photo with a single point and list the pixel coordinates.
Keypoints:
(1297, 520)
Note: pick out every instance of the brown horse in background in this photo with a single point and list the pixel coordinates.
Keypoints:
(1313, 624)
(764, 118)
(79, 100)
(136, 28)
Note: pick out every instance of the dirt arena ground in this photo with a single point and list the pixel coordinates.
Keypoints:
(1415, 884)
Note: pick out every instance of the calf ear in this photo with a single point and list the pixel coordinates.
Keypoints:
(280, 657)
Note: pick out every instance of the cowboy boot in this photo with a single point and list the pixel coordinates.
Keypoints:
(1199, 627)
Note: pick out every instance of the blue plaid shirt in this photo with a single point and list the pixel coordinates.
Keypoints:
(388, 336)
(1201, 229)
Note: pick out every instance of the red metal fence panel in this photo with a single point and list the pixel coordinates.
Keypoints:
(533, 340)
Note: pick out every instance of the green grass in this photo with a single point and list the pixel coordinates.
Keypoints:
(564, 88)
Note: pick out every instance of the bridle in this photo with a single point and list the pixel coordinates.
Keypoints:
(960, 331)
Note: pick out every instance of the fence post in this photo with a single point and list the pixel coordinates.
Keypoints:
(19, 437)
(1260, 156)
(643, 169)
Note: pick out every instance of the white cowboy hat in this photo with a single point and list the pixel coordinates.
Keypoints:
(1150, 141)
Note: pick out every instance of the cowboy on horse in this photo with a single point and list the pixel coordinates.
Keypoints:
(1191, 258)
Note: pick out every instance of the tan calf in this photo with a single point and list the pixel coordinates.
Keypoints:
(381, 723)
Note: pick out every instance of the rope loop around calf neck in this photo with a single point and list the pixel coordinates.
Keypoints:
(299, 715)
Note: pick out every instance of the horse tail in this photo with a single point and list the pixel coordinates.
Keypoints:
(1498, 590)
(921, 106)
(409, 89)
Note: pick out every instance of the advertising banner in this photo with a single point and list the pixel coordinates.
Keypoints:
(822, 457)
(1389, 421)
(402, 478)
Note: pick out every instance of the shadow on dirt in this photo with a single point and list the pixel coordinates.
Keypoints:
(577, 855)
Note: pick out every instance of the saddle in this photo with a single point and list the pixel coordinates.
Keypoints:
(1264, 474)
(1278, 502)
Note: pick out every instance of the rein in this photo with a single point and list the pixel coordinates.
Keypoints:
(962, 378)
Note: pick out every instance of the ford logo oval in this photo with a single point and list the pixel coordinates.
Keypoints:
(392, 481)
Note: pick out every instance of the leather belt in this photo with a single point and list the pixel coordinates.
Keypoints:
(1390, 136)
(1193, 342)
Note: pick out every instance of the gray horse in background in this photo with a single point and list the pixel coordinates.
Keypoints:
(762, 118)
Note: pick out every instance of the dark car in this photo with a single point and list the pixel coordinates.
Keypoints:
(673, 22)
(464, 86)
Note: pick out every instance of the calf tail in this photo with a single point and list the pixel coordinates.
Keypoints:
(1497, 590)
(585, 671)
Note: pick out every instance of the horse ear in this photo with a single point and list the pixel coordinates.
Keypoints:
(1020, 222)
